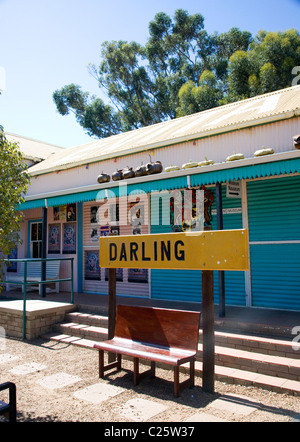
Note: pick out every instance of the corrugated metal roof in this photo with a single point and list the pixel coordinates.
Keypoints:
(33, 149)
(262, 109)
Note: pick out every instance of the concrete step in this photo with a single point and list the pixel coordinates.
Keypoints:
(263, 363)
(222, 373)
(266, 364)
(257, 344)
(239, 358)
(87, 318)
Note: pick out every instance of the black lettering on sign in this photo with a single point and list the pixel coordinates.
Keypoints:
(123, 255)
(165, 251)
(144, 258)
(155, 250)
(133, 249)
(179, 254)
(112, 252)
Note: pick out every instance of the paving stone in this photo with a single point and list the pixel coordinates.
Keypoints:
(140, 410)
(205, 417)
(98, 393)
(235, 404)
(5, 357)
(58, 380)
(30, 367)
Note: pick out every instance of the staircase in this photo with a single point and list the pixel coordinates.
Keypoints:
(243, 359)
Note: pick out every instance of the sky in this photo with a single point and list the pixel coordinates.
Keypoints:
(47, 44)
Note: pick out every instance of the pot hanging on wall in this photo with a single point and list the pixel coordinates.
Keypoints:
(103, 178)
(296, 140)
(189, 165)
(235, 156)
(171, 168)
(118, 175)
(263, 151)
(154, 168)
(206, 162)
(140, 170)
(128, 173)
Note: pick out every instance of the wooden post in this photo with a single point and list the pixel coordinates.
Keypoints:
(208, 320)
(221, 272)
(112, 308)
(44, 252)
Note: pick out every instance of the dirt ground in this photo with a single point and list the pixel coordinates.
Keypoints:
(36, 403)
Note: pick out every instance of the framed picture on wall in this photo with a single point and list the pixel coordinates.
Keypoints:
(119, 275)
(55, 213)
(69, 238)
(138, 275)
(62, 213)
(94, 233)
(13, 254)
(91, 266)
(54, 238)
(71, 212)
(94, 214)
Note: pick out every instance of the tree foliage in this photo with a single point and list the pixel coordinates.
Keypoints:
(14, 181)
(180, 70)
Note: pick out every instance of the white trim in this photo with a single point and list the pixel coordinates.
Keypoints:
(248, 288)
(296, 241)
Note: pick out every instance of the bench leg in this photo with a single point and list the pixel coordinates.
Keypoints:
(152, 370)
(192, 373)
(137, 376)
(115, 364)
(135, 371)
(101, 363)
(176, 380)
(190, 382)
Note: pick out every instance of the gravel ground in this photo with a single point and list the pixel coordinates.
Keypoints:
(36, 403)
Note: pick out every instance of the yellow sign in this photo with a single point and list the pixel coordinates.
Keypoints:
(207, 250)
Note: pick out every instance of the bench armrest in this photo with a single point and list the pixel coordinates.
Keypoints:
(11, 408)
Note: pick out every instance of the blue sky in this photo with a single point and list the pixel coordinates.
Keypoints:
(46, 44)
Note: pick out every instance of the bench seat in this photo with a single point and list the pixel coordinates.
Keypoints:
(34, 271)
(172, 356)
(155, 335)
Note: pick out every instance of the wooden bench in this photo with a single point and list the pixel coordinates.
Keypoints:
(34, 270)
(156, 335)
(9, 408)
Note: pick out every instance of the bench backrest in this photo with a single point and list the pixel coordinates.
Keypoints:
(163, 327)
(34, 269)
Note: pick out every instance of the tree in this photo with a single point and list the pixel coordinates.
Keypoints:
(181, 70)
(14, 181)
(267, 66)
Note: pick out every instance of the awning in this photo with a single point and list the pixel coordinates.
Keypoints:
(222, 175)
(247, 172)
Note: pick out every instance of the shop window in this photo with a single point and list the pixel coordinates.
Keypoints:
(35, 249)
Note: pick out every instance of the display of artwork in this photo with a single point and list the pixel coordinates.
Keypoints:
(71, 212)
(104, 230)
(69, 238)
(64, 213)
(93, 214)
(138, 275)
(54, 238)
(13, 267)
(92, 269)
(94, 233)
(119, 275)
